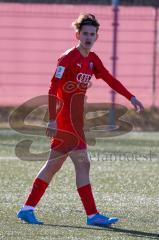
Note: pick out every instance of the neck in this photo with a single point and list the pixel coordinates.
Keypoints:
(83, 51)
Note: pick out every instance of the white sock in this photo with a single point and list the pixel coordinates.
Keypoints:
(26, 208)
(91, 216)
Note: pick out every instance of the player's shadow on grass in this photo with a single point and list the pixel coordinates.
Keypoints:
(112, 229)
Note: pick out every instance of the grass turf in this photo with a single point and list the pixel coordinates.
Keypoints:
(124, 175)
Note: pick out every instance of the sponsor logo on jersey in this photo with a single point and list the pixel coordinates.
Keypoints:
(83, 78)
(59, 72)
(70, 86)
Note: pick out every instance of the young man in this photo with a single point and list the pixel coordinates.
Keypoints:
(69, 83)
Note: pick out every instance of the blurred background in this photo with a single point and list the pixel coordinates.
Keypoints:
(33, 34)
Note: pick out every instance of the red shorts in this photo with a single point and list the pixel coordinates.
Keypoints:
(69, 137)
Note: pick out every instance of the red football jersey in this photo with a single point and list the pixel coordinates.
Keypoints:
(71, 80)
(69, 84)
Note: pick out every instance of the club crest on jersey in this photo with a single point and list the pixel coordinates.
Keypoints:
(83, 78)
(91, 65)
(59, 72)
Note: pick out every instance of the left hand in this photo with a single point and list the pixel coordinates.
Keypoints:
(51, 129)
(137, 104)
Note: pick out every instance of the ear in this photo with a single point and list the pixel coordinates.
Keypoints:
(77, 35)
(97, 35)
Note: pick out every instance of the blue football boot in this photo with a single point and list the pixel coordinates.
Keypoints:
(28, 216)
(102, 221)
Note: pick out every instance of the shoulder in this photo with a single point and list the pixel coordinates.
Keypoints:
(96, 60)
(94, 57)
(67, 55)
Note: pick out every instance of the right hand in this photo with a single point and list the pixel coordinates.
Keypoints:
(51, 129)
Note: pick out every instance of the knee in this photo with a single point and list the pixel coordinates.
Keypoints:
(53, 165)
(55, 161)
(80, 160)
(82, 163)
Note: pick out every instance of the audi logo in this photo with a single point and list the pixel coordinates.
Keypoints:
(83, 78)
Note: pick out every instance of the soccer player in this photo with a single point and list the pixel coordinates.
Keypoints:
(66, 106)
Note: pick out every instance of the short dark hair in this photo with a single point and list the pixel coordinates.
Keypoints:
(85, 19)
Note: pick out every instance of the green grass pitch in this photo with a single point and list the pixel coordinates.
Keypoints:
(124, 175)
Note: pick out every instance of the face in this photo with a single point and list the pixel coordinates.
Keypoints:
(87, 36)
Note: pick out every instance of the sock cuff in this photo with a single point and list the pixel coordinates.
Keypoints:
(84, 188)
(40, 183)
